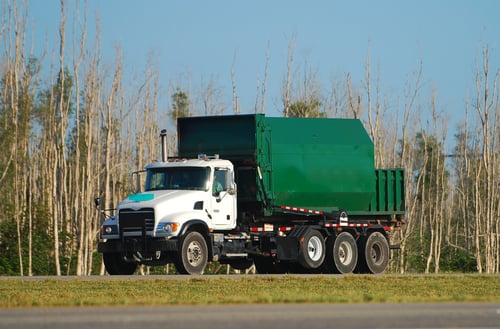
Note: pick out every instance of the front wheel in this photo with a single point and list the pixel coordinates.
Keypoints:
(115, 264)
(312, 249)
(192, 256)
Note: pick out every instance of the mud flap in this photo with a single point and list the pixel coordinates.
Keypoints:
(287, 248)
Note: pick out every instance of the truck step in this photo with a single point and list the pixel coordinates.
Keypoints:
(236, 255)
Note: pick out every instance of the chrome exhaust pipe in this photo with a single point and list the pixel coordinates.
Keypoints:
(163, 135)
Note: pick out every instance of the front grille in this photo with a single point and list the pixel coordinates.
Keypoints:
(136, 220)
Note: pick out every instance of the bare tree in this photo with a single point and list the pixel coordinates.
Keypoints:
(286, 87)
(262, 87)
(433, 201)
(19, 79)
(374, 123)
(76, 169)
(233, 84)
(303, 95)
(487, 194)
(407, 140)
(354, 99)
(336, 103)
(211, 98)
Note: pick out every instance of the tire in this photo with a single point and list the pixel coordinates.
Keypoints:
(192, 255)
(328, 266)
(312, 249)
(345, 253)
(375, 254)
(116, 265)
(361, 266)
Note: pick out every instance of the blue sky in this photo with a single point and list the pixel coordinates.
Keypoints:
(334, 37)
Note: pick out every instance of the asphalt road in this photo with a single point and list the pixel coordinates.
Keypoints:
(289, 316)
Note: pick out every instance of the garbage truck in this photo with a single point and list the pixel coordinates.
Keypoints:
(281, 194)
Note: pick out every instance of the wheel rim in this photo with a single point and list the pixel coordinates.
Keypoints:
(376, 254)
(314, 248)
(194, 253)
(345, 253)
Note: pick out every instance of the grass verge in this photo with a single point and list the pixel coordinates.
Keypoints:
(203, 290)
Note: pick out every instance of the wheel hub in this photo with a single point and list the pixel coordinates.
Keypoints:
(345, 256)
(314, 248)
(194, 253)
(375, 254)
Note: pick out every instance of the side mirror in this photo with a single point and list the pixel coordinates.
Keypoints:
(136, 180)
(232, 189)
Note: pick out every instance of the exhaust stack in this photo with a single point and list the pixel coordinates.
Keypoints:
(163, 136)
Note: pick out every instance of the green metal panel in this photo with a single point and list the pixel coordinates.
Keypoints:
(229, 136)
(390, 189)
(316, 163)
(319, 163)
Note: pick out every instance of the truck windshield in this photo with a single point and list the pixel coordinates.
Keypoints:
(178, 178)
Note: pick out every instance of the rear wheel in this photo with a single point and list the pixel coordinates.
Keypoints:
(345, 253)
(116, 265)
(192, 256)
(312, 249)
(328, 264)
(375, 254)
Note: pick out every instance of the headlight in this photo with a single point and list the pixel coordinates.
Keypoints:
(109, 230)
(167, 227)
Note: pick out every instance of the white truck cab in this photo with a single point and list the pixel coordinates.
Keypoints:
(178, 191)
(179, 194)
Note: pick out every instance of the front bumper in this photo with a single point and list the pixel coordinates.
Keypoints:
(139, 244)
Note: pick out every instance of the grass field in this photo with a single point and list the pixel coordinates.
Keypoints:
(57, 292)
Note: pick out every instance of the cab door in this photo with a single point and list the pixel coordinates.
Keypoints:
(223, 200)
